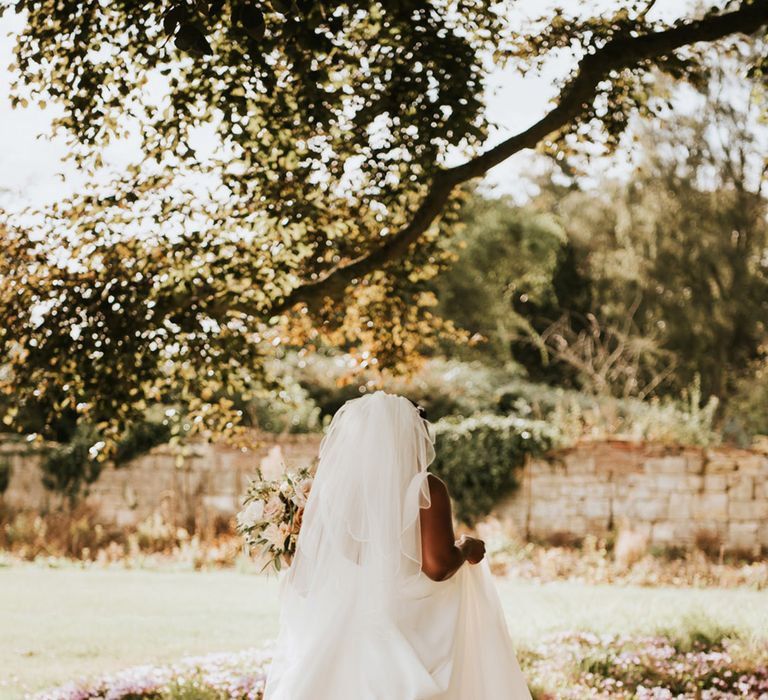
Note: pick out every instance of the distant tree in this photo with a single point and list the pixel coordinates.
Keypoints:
(684, 246)
(506, 260)
(320, 214)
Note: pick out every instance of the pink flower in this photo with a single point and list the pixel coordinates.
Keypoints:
(302, 492)
(274, 510)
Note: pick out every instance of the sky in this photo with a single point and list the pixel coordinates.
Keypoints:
(32, 172)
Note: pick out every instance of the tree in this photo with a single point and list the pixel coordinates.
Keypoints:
(322, 211)
(675, 257)
(504, 252)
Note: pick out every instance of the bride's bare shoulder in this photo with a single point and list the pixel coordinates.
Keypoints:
(438, 491)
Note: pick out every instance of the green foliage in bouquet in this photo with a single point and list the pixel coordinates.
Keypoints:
(271, 516)
(479, 458)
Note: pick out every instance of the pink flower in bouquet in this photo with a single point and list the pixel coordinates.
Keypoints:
(275, 535)
(274, 510)
(301, 493)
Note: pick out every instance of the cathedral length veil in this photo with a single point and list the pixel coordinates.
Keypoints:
(359, 621)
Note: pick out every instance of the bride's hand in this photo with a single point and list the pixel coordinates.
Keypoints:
(472, 548)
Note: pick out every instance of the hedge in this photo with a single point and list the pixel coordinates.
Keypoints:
(479, 458)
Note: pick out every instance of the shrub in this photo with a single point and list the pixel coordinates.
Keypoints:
(687, 420)
(66, 467)
(69, 531)
(479, 458)
(139, 439)
(443, 387)
(69, 466)
(698, 631)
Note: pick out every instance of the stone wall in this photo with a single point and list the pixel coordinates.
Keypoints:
(204, 485)
(673, 496)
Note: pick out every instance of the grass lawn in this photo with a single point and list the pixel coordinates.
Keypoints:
(58, 624)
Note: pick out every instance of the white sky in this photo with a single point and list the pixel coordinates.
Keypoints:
(31, 170)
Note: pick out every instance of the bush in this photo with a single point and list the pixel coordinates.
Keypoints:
(139, 439)
(67, 467)
(69, 532)
(688, 420)
(698, 631)
(70, 466)
(746, 412)
(442, 387)
(479, 457)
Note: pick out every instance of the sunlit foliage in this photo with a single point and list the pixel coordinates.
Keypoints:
(321, 210)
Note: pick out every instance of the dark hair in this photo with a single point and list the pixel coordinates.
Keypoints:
(422, 411)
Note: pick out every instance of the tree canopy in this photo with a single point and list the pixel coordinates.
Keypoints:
(324, 207)
(642, 287)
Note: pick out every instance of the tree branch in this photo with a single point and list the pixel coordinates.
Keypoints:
(617, 54)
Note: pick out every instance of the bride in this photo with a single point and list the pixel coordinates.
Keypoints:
(380, 603)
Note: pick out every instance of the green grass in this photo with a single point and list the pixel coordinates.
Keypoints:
(58, 624)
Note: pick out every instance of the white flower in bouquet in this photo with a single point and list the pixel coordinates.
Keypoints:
(301, 493)
(271, 517)
(275, 535)
(252, 514)
(274, 510)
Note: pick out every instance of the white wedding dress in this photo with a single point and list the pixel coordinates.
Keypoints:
(359, 620)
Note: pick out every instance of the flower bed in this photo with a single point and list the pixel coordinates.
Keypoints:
(222, 676)
(576, 665)
(566, 666)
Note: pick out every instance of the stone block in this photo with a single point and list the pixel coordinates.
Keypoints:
(543, 511)
(576, 525)
(544, 488)
(673, 482)
(632, 480)
(221, 480)
(715, 482)
(648, 509)
(754, 465)
(540, 468)
(709, 507)
(226, 461)
(741, 488)
(719, 464)
(623, 466)
(747, 510)
(663, 533)
(603, 490)
(666, 465)
(743, 536)
(597, 508)
(223, 504)
(694, 463)
(680, 506)
(639, 492)
(126, 517)
(762, 535)
(685, 532)
(579, 463)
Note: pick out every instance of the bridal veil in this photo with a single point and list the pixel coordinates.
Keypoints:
(359, 621)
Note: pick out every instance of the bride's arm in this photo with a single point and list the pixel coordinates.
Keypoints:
(441, 555)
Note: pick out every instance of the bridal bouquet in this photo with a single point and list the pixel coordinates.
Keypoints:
(270, 519)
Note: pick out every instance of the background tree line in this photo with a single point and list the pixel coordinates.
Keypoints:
(635, 288)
